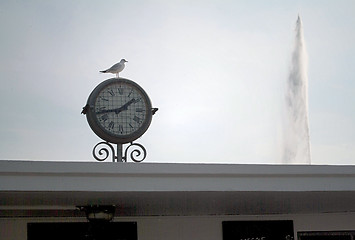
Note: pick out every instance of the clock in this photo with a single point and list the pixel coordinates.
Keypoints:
(118, 110)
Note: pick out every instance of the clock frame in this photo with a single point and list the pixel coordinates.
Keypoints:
(119, 110)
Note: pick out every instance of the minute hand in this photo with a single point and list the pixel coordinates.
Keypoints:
(125, 106)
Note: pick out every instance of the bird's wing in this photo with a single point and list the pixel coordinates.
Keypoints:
(115, 67)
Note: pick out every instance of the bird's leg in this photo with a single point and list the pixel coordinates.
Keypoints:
(117, 75)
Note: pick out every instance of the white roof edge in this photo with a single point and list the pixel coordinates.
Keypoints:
(56, 167)
(167, 189)
(166, 177)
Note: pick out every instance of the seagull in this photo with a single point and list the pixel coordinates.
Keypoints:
(115, 69)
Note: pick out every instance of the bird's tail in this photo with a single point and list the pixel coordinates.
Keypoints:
(104, 71)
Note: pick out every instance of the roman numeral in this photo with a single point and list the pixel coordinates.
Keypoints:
(103, 99)
(137, 119)
(104, 117)
(111, 125)
(120, 90)
(111, 92)
(120, 129)
(129, 95)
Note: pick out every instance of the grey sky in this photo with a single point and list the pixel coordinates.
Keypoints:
(215, 69)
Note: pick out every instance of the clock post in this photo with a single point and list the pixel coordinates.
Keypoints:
(119, 111)
(119, 153)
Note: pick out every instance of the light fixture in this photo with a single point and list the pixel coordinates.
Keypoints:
(99, 213)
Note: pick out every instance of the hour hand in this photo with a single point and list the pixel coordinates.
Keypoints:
(106, 111)
(117, 110)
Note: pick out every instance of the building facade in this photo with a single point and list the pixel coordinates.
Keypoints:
(181, 201)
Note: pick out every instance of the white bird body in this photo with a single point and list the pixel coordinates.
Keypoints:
(116, 69)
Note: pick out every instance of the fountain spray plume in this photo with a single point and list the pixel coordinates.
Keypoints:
(297, 147)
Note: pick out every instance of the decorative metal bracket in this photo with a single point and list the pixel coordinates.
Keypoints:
(103, 150)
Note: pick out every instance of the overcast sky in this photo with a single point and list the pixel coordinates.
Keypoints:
(215, 69)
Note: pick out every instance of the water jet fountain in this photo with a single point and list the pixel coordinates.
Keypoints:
(297, 147)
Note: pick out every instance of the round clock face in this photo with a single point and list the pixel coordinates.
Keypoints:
(120, 110)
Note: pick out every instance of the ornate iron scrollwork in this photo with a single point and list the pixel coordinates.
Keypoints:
(103, 150)
(136, 152)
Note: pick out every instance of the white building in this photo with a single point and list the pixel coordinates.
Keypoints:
(180, 201)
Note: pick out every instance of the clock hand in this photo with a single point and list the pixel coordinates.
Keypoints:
(118, 110)
(125, 106)
(106, 111)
